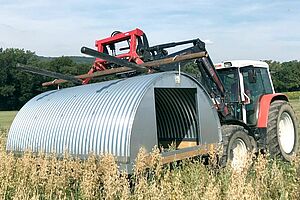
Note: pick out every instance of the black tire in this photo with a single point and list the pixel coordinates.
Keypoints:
(282, 110)
(231, 134)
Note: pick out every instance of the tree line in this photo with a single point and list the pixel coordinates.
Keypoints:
(17, 87)
(285, 75)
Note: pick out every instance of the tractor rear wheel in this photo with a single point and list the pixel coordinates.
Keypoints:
(282, 134)
(237, 145)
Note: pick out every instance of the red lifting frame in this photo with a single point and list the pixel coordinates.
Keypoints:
(130, 35)
(131, 56)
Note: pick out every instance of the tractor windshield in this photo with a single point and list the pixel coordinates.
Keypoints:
(256, 83)
(256, 80)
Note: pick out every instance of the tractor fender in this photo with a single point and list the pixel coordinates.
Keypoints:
(264, 107)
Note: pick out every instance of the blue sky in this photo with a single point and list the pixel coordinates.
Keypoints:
(241, 29)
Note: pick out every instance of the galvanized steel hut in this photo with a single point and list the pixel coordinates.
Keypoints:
(118, 117)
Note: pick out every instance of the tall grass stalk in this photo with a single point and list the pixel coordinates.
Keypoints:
(46, 177)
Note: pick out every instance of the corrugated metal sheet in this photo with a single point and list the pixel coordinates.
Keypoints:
(91, 118)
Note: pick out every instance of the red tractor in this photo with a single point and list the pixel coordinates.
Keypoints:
(267, 115)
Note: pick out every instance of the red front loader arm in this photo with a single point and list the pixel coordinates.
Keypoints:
(132, 56)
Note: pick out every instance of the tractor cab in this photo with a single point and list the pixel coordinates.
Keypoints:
(245, 81)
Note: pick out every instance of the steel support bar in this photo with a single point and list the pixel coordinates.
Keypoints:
(175, 59)
(143, 66)
(112, 59)
(44, 72)
(95, 74)
(128, 65)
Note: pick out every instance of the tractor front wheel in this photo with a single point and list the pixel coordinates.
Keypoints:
(237, 146)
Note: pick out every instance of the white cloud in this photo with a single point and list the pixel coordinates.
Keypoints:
(239, 30)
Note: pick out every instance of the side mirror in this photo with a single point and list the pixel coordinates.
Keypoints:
(252, 76)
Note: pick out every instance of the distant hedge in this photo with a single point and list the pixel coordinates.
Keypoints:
(17, 87)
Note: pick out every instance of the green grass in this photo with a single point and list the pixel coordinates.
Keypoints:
(296, 106)
(6, 118)
(293, 95)
(294, 98)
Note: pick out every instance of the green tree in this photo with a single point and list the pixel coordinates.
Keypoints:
(286, 75)
(16, 86)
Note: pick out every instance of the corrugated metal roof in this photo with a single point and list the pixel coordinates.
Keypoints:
(90, 118)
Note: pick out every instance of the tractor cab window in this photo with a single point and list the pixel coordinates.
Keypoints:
(230, 80)
(256, 83)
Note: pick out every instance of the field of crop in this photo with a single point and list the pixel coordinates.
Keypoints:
(45, 177)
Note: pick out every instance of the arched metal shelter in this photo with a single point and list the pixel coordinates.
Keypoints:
(118, 117)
